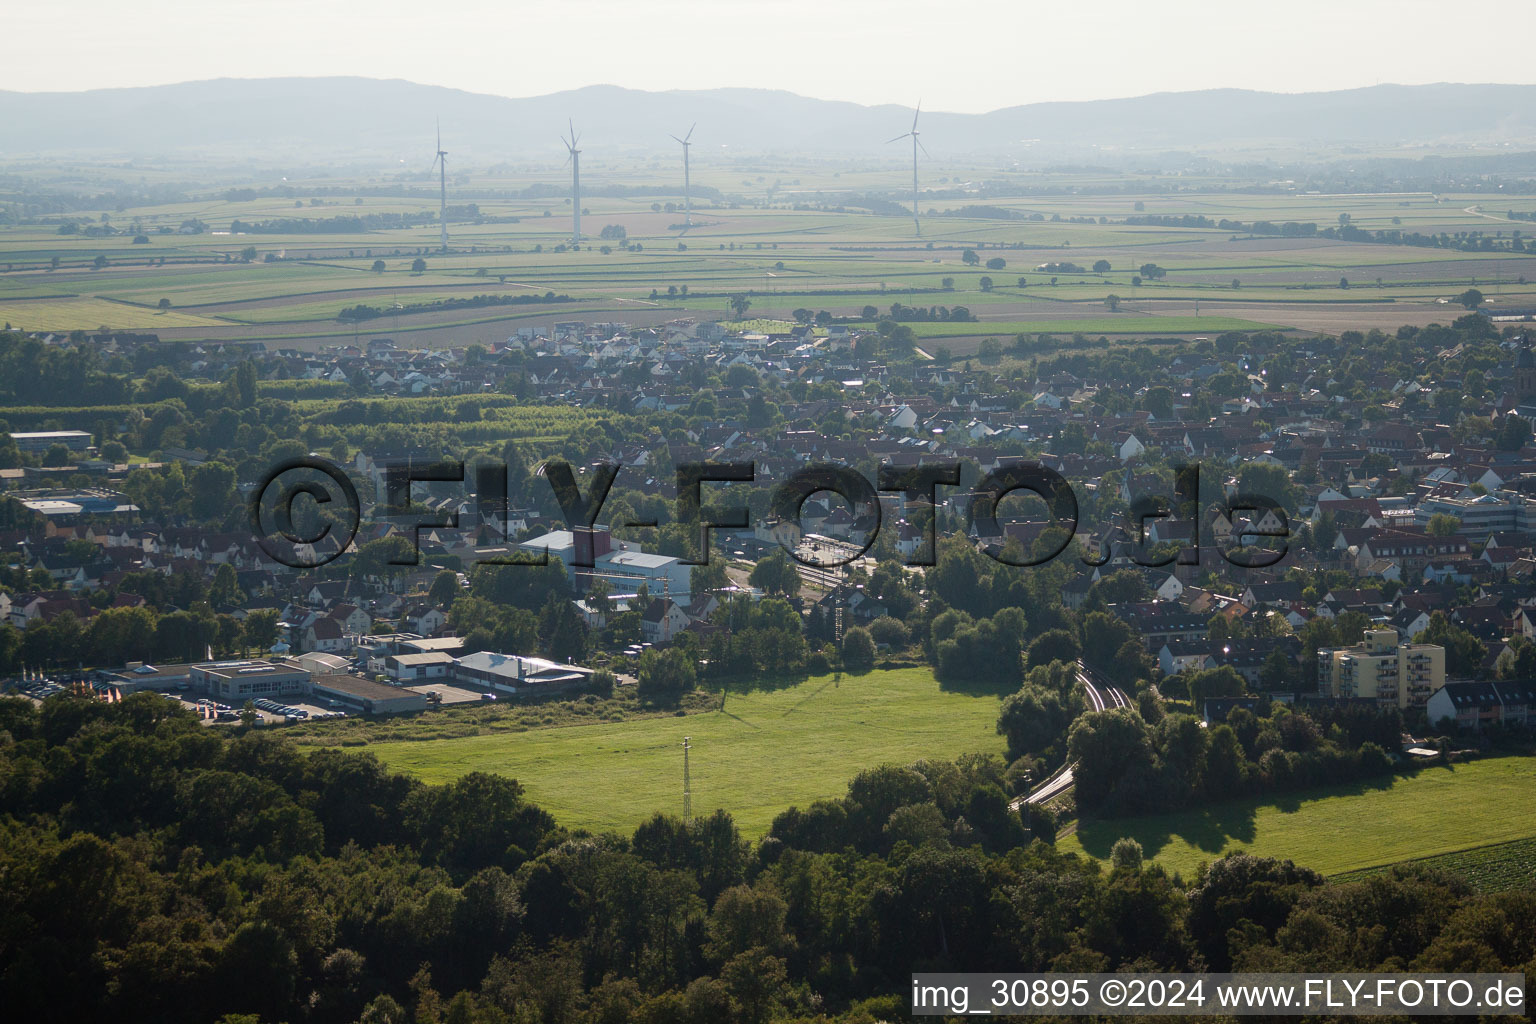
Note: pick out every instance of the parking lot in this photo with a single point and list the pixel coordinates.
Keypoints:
(318, 708)
(278, 711)
(201, 707)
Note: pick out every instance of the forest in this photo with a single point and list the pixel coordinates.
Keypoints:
(157, 870)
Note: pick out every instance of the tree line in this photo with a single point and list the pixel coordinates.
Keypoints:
(1128, 764)
(348, 223)
(363, 311)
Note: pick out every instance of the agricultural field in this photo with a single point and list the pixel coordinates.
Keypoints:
(85, 313)
(1501, 867)
(482, 420)
(1137, 325)
(1432, 812)
(788, 238)
(765, 750)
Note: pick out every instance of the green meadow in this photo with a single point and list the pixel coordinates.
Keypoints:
(764, 751)
(1433, 811)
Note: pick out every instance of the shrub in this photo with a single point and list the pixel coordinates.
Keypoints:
(858, 649)
(889, 631)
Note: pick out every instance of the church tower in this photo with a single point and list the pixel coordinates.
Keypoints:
(1525, 374)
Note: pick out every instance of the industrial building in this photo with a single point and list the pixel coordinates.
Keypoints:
(622, 564)
(419, 667)
(515, 674)
(374, 650)
(66, 506)
(235, 682)
(138, 675)
(42, 440)
(1480, 516)
(367, 696)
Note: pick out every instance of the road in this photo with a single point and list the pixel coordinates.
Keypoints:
(1100, 698)
(1476, 211)
(1049, 789)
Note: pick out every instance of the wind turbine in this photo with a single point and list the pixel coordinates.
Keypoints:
(575, 161)
(687, 202)
(440, 161)
(916, 145)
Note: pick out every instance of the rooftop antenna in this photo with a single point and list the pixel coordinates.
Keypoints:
(574, 159)
(440, 161)
(687, 202)
(687, 788)
(916, 145)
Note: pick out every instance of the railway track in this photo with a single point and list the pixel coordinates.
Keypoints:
(1101, 697)
(819, 577)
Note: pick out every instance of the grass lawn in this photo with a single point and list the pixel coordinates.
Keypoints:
(1438, 810)
(766, 750)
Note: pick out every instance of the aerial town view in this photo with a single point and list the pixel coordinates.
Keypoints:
(631, 541)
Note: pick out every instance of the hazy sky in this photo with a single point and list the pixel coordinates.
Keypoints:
(968, 55)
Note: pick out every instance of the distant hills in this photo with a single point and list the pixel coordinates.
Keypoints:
(366, 119)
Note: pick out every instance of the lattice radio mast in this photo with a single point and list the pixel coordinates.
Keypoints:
(687, 788)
